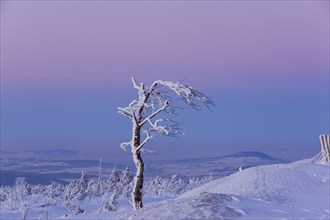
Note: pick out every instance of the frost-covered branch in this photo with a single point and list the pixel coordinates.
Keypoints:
(187, 93)
(149, 136)
(125, 112)
(167, 130)
(156, 99)
(124, 145)
(166, 104)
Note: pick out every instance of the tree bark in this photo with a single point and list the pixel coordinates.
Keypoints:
(139, 177)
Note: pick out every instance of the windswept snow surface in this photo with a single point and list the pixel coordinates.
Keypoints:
(298, 190)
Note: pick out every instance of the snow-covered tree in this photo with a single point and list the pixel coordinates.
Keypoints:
(77, 189)
(113, 180)
(152, 113)
(126, 182)
(82, 185)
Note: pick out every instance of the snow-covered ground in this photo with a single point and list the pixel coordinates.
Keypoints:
(298, 190)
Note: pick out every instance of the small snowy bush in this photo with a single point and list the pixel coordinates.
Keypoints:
(20, 199)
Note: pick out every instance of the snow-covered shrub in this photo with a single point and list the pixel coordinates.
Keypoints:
(108, 202)
(111, 205)
(97, 188)
(173, 186)
(51, 195)
(74, 207)
(4, 191)
(102, 193)
(53, 192)
(71, 191)
(157, 186)
(20, 199)
(77, 189)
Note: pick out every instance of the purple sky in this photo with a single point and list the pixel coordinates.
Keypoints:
(66, 66)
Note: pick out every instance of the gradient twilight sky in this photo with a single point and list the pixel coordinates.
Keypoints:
(66, 66)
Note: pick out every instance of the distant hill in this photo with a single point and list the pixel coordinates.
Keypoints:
(216, 166)
(8, 178)
(37, 171)
(253, 154)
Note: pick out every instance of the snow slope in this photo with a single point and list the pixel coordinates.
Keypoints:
(299, 190)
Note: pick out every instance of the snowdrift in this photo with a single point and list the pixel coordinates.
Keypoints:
(287, 191)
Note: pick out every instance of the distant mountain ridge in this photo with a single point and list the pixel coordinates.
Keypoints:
(217, 166)
(37, 166)
(8, 178)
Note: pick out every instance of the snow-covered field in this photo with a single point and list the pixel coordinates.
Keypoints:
(298, 190)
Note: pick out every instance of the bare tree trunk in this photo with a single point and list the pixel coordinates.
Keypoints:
(139, 177)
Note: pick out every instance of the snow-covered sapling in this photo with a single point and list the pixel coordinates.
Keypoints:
(152, 114)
